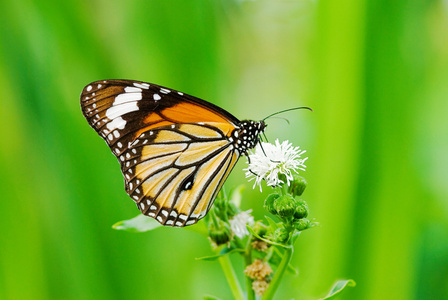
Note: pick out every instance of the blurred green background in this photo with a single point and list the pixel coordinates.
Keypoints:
(375, 73)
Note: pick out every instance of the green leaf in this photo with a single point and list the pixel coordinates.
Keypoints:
(223, 252)
(210, 297)
(295, 236)
(272, 223)
(266, 240)
(292, 270)
(140, 223)
(338, 287)
(237, 194)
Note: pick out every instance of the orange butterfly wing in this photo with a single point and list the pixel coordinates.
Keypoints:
(175, 150)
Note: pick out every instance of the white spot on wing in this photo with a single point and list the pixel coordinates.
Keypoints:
(119, 110)
(156, 97)
(117, 123)
(89, 88)
(141, 85)
(131, 89)
(127, 97)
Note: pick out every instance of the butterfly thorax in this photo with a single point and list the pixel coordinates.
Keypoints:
(246, 136)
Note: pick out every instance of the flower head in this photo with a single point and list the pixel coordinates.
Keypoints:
(239, 222)
(258, 270)
(260, 245)
(275, 163)
(260, 287)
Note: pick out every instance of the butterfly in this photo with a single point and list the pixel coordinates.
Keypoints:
(175, 150)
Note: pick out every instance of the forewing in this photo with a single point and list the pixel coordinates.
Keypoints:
(120, 110)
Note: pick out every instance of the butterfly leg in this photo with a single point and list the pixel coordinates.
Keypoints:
(248, 158)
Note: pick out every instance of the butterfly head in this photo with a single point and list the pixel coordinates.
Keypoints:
(247, 135)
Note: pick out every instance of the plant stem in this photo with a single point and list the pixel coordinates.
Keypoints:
(248, 261)
(233, 282)
(278, 274)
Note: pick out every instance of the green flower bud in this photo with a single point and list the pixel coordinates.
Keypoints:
(301, 210)
(283, 178)
(260, 229)
(281, 235)
(269, 203)
(302, 224)
(285, 206)
(219, 208)
(219, 234)
(297, 185)
(232, 209)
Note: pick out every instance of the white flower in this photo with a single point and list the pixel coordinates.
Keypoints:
(269, 161)
(239, 222)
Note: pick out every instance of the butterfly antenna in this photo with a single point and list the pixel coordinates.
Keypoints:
(287, 121)
(282, 111)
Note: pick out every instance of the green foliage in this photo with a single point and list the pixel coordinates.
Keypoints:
(297, 186)
(373, 71)
(338, 287)
(219, 232)
(269, 203)
(224, 251)
(140, 223)
(285, 206)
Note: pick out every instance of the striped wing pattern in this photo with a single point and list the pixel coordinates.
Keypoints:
(177, 181)
(175, 150)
